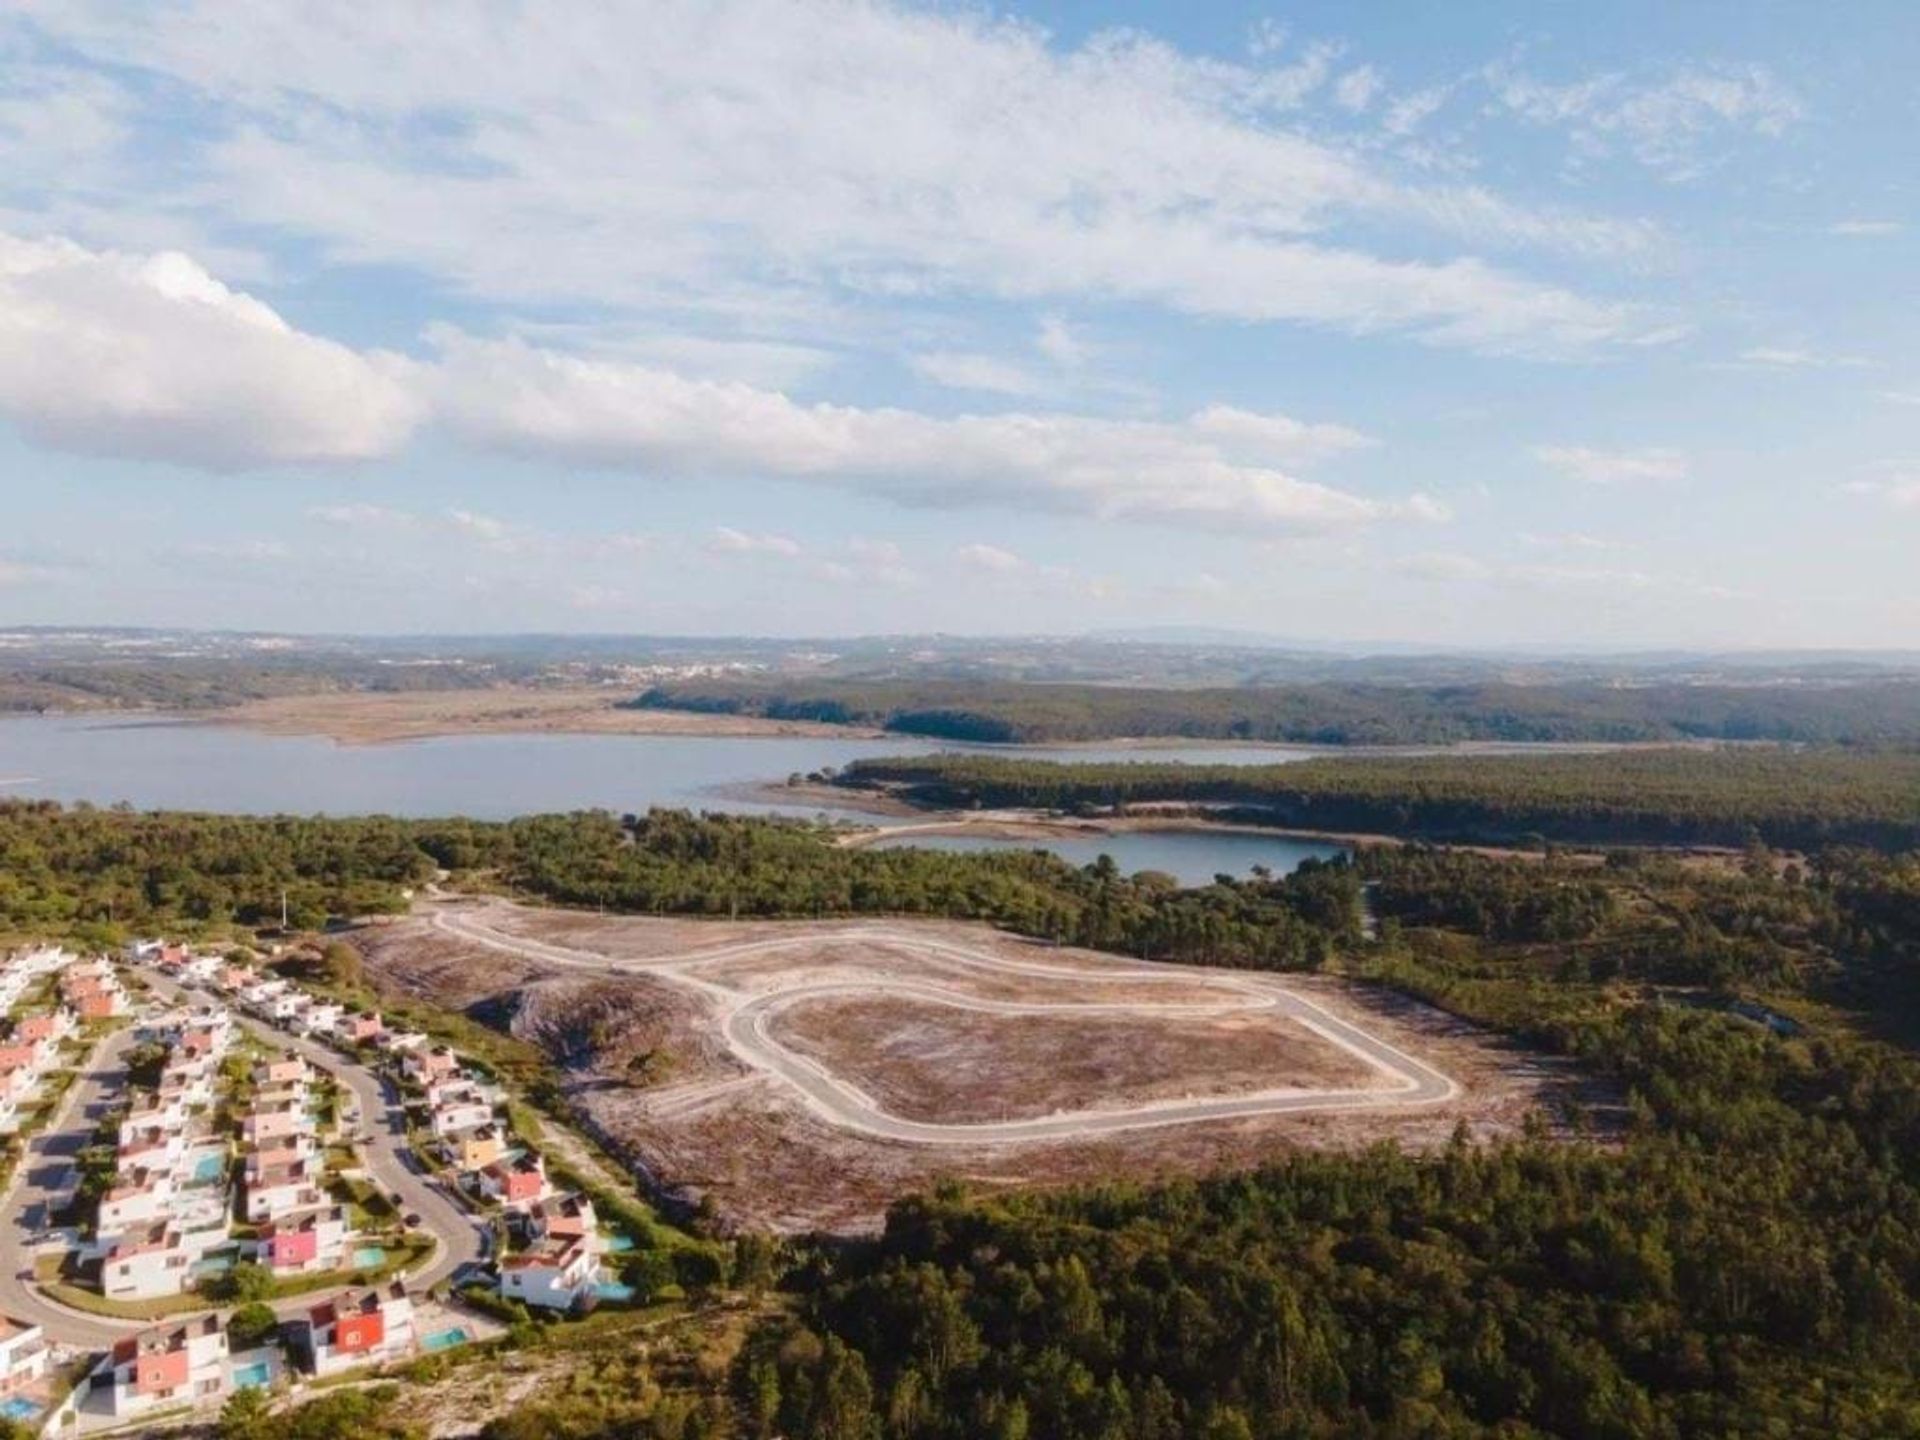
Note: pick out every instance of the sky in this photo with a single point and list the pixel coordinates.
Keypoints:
(1543, 324)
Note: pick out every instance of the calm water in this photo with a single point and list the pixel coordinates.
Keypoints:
(1191, 857)
(166, 765)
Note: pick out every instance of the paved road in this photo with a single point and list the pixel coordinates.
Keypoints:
(387, 1156)
(745, 1022)
(43, 1173)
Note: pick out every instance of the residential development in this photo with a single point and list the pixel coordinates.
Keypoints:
(229, 1140)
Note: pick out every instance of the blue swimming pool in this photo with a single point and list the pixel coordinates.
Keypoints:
(252, 1376)
(444, 1339)
(209, 1168)
(615, 1291)
(18, 1407)
(369, 1257)
(616, 1244)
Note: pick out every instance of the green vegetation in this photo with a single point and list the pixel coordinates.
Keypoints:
(1869, 712)
(360, 1414)
(1738, 1257)
(1743, 1261)
(1791, 799)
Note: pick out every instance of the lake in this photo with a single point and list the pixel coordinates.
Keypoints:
(163, 764)
(1193, 857)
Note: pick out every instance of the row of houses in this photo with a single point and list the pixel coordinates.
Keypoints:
(168, 1209)
(191, 1362)
(561, 1260)
(295, 1227)
(30, 1051)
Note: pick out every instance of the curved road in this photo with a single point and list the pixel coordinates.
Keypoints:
(745, 1021)
(43, 1173)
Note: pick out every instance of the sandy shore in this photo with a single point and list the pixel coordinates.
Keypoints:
(366, 719)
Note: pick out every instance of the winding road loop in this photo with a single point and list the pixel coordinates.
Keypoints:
(746, 1019)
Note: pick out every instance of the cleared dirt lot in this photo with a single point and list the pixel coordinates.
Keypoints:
(802, 1076)
(937, 1062)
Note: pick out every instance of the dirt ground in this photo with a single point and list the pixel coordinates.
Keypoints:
(933, 1062)
(366, 719)
(649, 1069)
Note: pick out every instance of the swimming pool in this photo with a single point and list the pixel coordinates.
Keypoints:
(615, 1291)
(444, 1339)
(369, 1257)
(209, 1168)
(616, 1244)
(252, 1376)
(18, 1407)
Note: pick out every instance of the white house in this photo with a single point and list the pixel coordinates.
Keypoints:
(283, 1189)
(275, 1121)
(459, 1116)
(24, 1354)
(165, 1367)
(145, 1263)
(140, 1199)
(309, 1242)
(553, 1276)
(366, 1326)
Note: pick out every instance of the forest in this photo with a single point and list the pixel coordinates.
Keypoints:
(1791, 799)
(1862, 712)
(1737, 1254)
(1730, 1247)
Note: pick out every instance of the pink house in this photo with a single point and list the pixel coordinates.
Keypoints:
(305, 1243)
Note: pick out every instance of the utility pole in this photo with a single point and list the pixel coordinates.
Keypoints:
(283, 909)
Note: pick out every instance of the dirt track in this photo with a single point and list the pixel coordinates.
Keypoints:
(803, 1075)
(746, 1022)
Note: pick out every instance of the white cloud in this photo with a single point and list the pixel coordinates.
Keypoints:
(781, 159)
(150, 357)
(360, 515)
(1861, 228)
(1444, 566)
(1218, 470)
(989, 557)
(1789, 357)
(1900, 490)
(1900, 397)
(1664, 124)
(1448, 568)
(960, 371)
(1355, 90)
(1612, 467)
(1059, 344)
(1566, 540)
(729, 541)
(484, 528)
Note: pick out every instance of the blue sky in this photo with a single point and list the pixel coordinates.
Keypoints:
(1467, 325)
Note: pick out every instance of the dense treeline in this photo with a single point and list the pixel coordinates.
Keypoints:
(1869, 712)
(66, 869)
(1791, 799)
(104, 873)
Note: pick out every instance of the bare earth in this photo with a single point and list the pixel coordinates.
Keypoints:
(366, 719)
(932, 1062)
(803, 1075)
